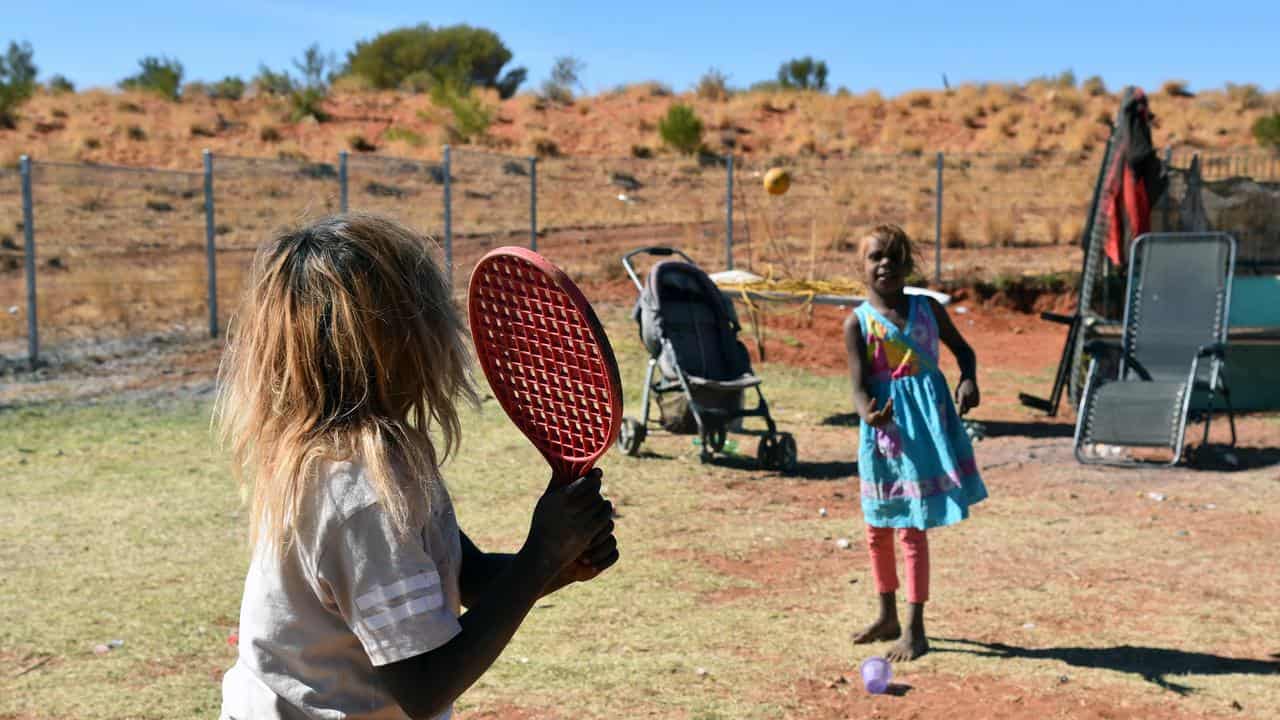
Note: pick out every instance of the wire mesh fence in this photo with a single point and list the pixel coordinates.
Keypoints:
(119, 253)
(1239, 192)
(411, 191)
(490, 206)
(591, 210)
(255, 197)
(13, 320)
(808, 232)
(1260, 165)
(123, 252)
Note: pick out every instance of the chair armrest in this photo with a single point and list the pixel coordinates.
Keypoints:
(1057, 318)
(1218, 350)
(1098, 347)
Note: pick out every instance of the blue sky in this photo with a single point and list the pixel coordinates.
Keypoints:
(889, 45)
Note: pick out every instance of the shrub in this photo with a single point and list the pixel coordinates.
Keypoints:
(418, 82)
(1176, 88)
(564, 77)
(359, 144)
(545, 147)
(1093, 86)
(469, 55)
(681, 129)
(471, 117)
(1266, 131)
(803, 74)
(1063, 80)
(133, 132)
(405, 135)
(1247, 96)
(17, 81)
(228, 88)
(162, 76)
(273, 83)
(350, 84)
(307, 103)
(713, 85)
(270, 134)
(60, 85)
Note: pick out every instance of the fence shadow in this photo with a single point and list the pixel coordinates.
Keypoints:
(1152, 664)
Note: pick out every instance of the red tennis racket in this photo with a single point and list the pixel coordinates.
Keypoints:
(546, 357)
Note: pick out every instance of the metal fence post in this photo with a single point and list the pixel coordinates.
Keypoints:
(210, 248)
(937, 227)
(29, 249)
(342, 180)
(448, 216)
(728, 214)
(533, 203)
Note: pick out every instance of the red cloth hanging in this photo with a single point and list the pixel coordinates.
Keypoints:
(1131, 209)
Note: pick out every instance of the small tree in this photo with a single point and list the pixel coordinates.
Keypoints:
(681, 129)
(803, 74)
(308, 100)
(713, 85)
(228, 88)
(17, 81)
(470, 116)
(472, 55)
(565, 72)
(60, 85)
(273, 83)
(1094, 86)
(314, 67)
(1266, 131)
(159, 75)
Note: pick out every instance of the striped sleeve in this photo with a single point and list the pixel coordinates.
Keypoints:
(387, 589)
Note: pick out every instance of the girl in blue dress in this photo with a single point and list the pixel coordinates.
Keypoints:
(914, 459)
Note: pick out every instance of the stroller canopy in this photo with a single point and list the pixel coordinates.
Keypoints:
(682, 305)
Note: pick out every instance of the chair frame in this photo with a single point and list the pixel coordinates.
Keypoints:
(1214, 352)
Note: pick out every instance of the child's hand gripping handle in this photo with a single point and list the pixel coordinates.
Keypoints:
(572, 529)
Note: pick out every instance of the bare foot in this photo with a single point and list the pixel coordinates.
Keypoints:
(882, 629)
(912, 645)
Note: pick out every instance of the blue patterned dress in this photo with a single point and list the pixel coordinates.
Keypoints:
(918, 471)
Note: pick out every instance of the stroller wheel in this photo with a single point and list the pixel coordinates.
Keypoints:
(630, 435)
(714, 438)
(766, 451)
(786, 452)
(777, 452)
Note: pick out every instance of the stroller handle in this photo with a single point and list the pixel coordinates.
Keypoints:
(652, 250)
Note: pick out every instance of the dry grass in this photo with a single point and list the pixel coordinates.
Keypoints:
(998, 230)
(1072, 593)
(610, 124)
(843, 182)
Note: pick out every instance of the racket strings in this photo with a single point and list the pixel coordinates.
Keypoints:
(546, 357)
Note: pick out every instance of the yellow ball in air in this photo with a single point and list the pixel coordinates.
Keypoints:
(777, 181)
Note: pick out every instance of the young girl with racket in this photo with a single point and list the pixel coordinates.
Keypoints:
(338, 397)
(914, 459)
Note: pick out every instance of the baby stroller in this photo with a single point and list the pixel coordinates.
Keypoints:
(690, 330)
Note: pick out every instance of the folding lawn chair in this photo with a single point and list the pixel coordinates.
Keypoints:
(1173, 344)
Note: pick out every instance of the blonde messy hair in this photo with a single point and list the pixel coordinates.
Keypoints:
(347, 345)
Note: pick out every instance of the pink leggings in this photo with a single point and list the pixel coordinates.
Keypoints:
(915, 547)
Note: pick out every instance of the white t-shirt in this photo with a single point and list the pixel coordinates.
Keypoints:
(347, 597)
